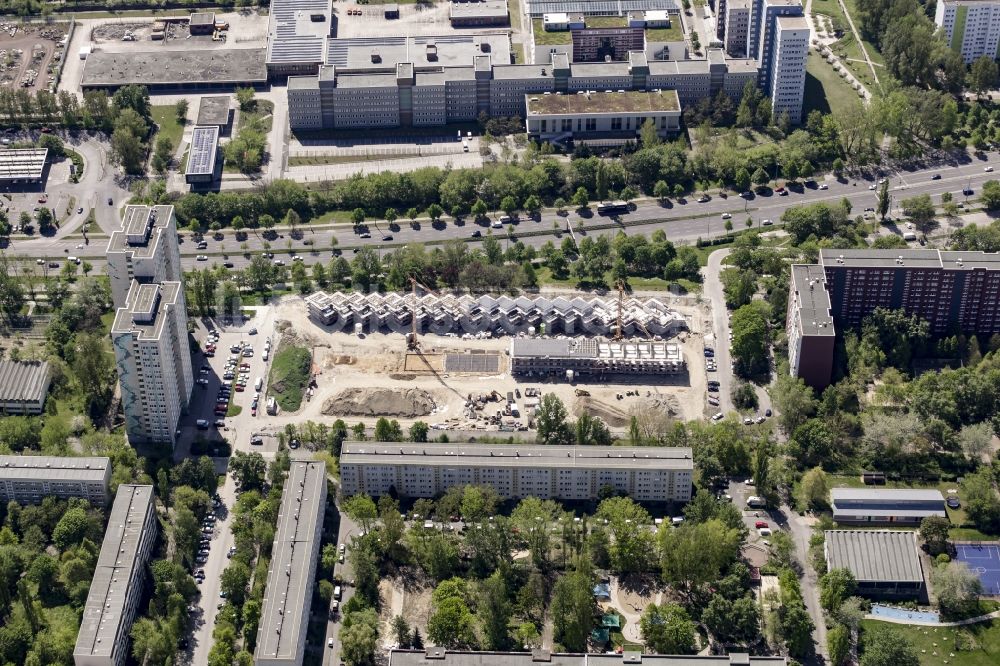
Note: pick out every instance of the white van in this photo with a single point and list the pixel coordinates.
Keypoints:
(258, 384)
(266, 351)
(336, 593)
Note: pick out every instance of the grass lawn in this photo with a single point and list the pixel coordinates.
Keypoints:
(519, 54)
(165, 118)
(262, 116)
(671, 34)
(234, 410)
(549, 38)
(289, 375)
(825, 91)
(873, 53)
(973, 645)
(301, 160)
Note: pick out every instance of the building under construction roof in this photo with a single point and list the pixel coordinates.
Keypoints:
(499, 315)
(590, 356)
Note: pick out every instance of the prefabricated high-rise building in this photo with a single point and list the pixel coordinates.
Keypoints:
(145, 249)
(970, 27)
(149, 337)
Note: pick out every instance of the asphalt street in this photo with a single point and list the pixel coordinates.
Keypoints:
(682, 222)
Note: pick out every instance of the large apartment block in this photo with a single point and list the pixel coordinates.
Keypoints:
(145, 249)
(971, 27)
(950, 289)
(788, 67)
(149, 336)
(736, 26)
(30, 479)
(117, 586)
(650, 474)
(281, 634)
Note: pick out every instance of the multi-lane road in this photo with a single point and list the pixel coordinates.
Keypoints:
(682, 222)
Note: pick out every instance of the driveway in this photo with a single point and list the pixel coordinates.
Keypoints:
(720, 327)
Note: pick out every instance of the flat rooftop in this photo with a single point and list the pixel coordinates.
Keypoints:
(54, 468)
(202, 18)
(445, 51)
(213, 110)
(22, 163)
(436, 656)
(560, 457)
(875, 555)
(604, 102)
(598, 7)
(115, 571)
(297, 31)
(144, 310)
(885, 495)
(489, 8)
(140, 225)
(23, 381)
(596, 349)
(813, 300)
(175, 68)
(204, 148)
(285, 611)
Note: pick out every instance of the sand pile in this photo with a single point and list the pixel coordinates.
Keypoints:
(405, 403)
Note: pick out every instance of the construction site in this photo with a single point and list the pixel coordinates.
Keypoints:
(466, 380)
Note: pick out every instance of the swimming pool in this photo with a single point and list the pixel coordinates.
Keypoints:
(892, 613)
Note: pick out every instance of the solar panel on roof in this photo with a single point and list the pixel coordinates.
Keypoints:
(598, 7)
(204, 141)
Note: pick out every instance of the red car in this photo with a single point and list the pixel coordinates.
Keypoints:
(760, 524)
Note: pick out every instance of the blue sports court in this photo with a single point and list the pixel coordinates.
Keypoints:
(984, 560)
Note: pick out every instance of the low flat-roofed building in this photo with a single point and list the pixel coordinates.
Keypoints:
(213, 69)
(214, 110)
(651, 474)
(203, 154)
(30, 479)
(593, 356)
(202, 23)
(22, 165)
(436, 656)
(885, 563)
(602, 115)
(487, 12)
(23, 386)
(281, 634)
(117, 586)
(884, 506)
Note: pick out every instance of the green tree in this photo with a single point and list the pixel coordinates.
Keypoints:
(451, 624)
(982, 74)
(934, 532)
(494, 612)
(391, 215)
(180, 111)
(990, 197)
(359, 637)
(234, 582)
(883, 645)
(71, 528)
(883, 200)
(418, 432)
(667, 629)
(957, 589)
(573, 611)
(362, 510)
(632, 542)
(920, 210)
(661, 190)
(814, 489)
(750, 340)
(835, 587)
(388, 431)
(550, 421)
(401, 629)
(248, 469)
(245, 99)
(760, 177)
(693, 555)
(581, 197)
(838, 644)
(358, 216)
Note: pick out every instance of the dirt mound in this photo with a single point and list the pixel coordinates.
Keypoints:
(668, 403)
(614, 417)
(405, 403)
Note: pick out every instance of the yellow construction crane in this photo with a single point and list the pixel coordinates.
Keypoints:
(412, 338)
(621, 299)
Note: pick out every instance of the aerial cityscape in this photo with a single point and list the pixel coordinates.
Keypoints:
(500, 332)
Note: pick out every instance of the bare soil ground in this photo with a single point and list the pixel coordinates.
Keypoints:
(373, 375)
(28, 53)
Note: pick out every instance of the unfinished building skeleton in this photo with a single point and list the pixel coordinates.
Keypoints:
(503, 315)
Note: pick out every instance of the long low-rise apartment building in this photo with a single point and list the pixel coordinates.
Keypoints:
(592, 356)
(117, 586)
(281, 634)
(30, 479)
(650, 474)
(438, 656)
